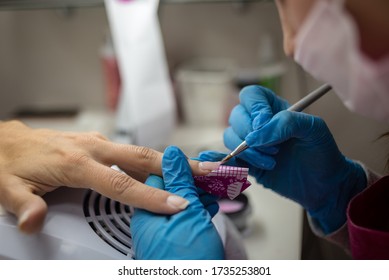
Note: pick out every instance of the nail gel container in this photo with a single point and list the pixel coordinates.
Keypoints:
(237, 210)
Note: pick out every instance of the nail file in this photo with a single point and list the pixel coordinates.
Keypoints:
(297, 107)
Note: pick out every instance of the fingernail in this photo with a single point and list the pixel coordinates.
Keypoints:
(209, 165)
(23, 218)
(177, 202)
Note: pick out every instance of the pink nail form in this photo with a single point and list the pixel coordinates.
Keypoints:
(226, 181)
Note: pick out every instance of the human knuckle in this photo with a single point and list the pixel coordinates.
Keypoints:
(88, 139)
(145, 153)
(16, 124)
(249, 89)
(98, 135)
(121, 183)
(76, 159)
(151, 194)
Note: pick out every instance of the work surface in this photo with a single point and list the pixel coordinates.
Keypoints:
(275, 226)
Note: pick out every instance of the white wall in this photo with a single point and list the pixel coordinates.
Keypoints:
(49, 59)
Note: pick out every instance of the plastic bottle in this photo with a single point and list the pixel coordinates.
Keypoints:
(111, 73)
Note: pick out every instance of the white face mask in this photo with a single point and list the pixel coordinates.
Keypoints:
(327, 46)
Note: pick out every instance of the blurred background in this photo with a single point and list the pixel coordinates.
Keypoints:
(58, 70)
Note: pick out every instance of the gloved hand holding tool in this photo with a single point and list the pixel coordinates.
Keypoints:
(293, 154)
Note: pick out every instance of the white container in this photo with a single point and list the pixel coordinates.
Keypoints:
(204, 89)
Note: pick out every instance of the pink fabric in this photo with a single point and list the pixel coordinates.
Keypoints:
(226, 181)
(368, 222)
(341, 236)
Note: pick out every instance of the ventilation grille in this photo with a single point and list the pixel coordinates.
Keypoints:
(110, 220)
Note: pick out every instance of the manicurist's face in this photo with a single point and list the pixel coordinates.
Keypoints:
(370, 18)
(292, 14)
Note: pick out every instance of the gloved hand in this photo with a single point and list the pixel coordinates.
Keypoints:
(293, 154)
(189, 234)
(208, 200)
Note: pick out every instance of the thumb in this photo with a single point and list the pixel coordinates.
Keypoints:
(32, 213)
(282, 127)
(211, 156)
(177, 173)
(30, 209)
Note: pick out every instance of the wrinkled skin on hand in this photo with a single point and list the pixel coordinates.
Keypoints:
(36, 161)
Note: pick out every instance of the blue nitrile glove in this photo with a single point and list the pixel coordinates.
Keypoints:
(293, 154)
(208, 200)
(189, 234)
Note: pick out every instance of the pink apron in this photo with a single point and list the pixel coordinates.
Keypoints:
(368, 222)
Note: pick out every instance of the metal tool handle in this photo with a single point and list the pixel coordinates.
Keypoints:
(297, 107)
(310, 98)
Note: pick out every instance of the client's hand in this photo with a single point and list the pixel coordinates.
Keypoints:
(189, 234)
(36, 161)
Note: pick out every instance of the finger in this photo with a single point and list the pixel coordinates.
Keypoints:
(97, 135)
(30, 209)
(200, 169)
(261, 157)
(232, 140)
(240, 121)
(211, 156)
(123, 188)
(284, 126)
(132, 158)
(137, 161)
(177, 173)
(257, 98)
(33, 214)
(141, 177)
(153, 181)
(261, 103)
(141, 161)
